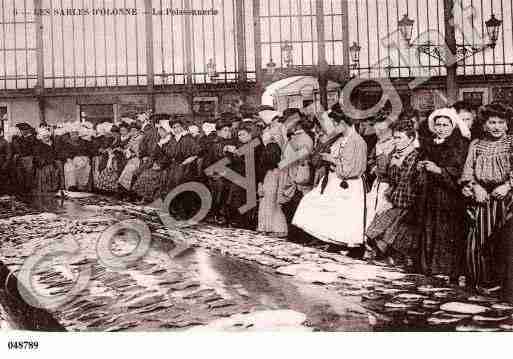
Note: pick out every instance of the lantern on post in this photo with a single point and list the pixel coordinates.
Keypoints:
(287, 49)
(211, 70)
(492, 28)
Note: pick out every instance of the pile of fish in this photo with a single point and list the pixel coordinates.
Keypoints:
(151, 294)
(394, 299)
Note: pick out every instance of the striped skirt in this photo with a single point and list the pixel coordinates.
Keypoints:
(484, 226)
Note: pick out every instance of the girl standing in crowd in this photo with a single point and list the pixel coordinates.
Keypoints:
(378, 162)
(271, 219)
(392, 233)
(440, 207)
(298, 173)
(487, 184)
(334, 211)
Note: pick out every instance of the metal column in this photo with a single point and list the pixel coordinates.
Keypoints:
(321, 50)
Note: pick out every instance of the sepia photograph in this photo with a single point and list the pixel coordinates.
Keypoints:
(182, 167)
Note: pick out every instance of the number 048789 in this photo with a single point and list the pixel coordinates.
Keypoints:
(22, 345)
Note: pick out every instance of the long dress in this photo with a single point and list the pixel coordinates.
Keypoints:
(488, 164)
(95, 160)
(441, 209)
(395, 228)
(237, 195)
(127, 176)
(109, 169)
(379, 160)
(23, 151)
(47, 177)
(219, 186)
(148, 184)
(5, 162)
(185, 204)
(329, 212)
(186, 146)
(271, 218)
(292, 191)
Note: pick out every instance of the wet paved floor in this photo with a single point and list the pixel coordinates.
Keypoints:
(209, 275)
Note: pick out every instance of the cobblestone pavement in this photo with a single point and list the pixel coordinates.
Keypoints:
(208, 277)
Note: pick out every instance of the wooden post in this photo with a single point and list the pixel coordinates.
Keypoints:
(149, 53)
(321, 51)
(450, 39)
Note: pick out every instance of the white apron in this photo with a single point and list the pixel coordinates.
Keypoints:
(77, 172)
(336, 216)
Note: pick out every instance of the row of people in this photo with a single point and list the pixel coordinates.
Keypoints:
(432, 195)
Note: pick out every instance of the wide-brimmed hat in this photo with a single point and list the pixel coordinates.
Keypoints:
(452, 115)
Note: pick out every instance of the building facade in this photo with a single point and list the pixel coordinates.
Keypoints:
(103, 59)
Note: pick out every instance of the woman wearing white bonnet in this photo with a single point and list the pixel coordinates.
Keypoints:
(440, 205)
(452, 115)
(208, 128)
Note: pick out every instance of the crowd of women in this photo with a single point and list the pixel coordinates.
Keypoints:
(433, 195)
